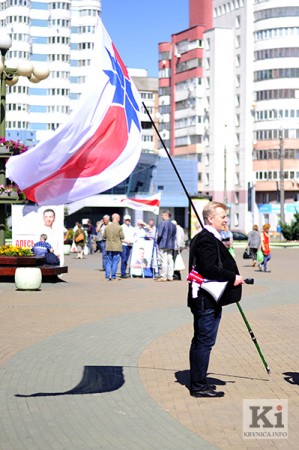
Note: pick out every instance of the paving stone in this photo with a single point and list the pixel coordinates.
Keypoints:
(88, 365)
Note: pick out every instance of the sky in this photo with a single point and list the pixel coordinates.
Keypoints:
(137, 26)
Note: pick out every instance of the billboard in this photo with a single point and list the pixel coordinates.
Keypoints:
(30, 221)
(199, 203)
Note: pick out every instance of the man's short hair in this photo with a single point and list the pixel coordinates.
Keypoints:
(209, 210)
(44, 237)
(49, 210)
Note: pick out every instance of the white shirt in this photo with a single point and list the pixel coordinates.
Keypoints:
(214, 231)
(129, 234)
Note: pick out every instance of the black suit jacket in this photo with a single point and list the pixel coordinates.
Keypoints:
(204, 259)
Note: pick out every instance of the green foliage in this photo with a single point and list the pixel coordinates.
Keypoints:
(8, 233)
(291, 231)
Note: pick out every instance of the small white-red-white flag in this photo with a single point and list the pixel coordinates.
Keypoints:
(151, 203)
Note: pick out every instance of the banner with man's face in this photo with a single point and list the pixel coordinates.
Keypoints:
(30, 221)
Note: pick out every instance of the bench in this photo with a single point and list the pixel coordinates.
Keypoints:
(46, 269)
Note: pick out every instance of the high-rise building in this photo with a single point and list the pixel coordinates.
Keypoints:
(58, 34)
(181, 104)
(232, 97)
(148, 90)
(276, 108)
(228, 72)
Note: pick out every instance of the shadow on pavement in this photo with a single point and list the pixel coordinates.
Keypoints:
(95, 380)
(183, 377)
(48, 279)
(292, 377)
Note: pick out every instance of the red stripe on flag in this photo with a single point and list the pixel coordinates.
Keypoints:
(97, 154)
(154, 202)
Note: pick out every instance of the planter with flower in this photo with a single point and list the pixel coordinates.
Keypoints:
(11, 255)
(10, 147)
(9, 191)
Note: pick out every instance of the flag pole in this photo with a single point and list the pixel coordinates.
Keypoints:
(173, 165)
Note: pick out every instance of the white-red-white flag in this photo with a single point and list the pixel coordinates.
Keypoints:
(100, 144)
(151, 203)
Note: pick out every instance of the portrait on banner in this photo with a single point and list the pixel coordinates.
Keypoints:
(29, 222)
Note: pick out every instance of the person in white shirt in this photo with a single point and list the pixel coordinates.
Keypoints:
(127, 244)
(140, 230)
(179, 245)
(151, 229)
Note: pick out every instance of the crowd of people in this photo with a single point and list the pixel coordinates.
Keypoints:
(115, 241)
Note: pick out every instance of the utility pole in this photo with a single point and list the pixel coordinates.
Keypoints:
(281, 154)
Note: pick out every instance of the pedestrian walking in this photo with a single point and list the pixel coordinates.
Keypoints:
(254, 242)
(265, 247)
(80, 240)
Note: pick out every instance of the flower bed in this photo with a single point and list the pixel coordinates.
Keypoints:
(14, 147)
(11, 255)
(13, 250)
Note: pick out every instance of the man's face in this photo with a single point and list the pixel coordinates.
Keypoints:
(49, 218)
(219, 219)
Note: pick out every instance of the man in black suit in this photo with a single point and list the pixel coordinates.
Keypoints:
(210, 258)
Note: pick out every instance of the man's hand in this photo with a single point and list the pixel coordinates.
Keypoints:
(238, 280)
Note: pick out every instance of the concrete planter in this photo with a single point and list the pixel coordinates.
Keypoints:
(13, 195)
(66, 249)
(28, 278)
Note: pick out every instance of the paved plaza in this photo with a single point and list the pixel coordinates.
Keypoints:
(87, 364)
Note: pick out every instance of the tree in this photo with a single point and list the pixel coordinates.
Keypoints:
(291, 231)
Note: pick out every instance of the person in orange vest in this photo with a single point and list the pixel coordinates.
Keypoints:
(265, 247)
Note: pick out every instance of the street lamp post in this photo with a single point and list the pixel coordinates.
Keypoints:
(225, 196)
(10, 76)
